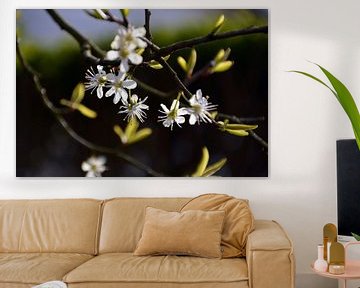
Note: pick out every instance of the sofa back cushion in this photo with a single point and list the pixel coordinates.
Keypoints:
(66, 226)
(123, 220)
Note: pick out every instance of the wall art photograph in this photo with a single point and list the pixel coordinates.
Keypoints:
(139, 92)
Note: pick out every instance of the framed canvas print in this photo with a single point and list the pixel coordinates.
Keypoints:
(139, 92)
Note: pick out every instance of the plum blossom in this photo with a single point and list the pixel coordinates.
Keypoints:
(131, 36)
(124, 46)
(134, 108)
(118, 83)
(96, 80)
(94, 166)
(199, 110)
(172, 115)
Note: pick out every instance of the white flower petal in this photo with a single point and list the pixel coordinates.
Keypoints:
(129, 84)
(124, 65)
(123, 93)
(99, 92)
(135, 58)
(112, 55)
(192, 119)
(164, 108)
(141, 43)
(198, 94)
(180, 119)
(115, 44)
(85, 166)
(139, 32)
(117, 97)
(182, 111)
(111, 91)
(90, 174)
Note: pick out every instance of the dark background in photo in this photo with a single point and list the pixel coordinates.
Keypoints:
(43, 148)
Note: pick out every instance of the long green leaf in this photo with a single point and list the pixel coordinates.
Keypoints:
(344, 97)
(213, 168)
(316, 79)
(202, 164)
(78, 93)
(347, 102)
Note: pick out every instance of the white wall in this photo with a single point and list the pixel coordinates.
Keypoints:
(305, 121)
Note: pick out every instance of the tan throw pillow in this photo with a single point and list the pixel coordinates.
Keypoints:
(196, 233)
(239, 220)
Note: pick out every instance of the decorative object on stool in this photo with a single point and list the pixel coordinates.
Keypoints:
(320, 264)
(337, 258)
(329, 236)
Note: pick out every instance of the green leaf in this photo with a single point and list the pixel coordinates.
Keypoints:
(125, 12)
(219, 22)
(222, 66)
(344, 97)
(202, 164)
(241, 127)
(86, 111)
(131, 128)
(219, 56)
(347, 102)
(316, 79)
(237, 132)
(78, 93)
(356, 236)
(182, 62)
(192, 62)
(212, 169)
(68, 103)
(140, 135)
(118, 131)
(155, 65)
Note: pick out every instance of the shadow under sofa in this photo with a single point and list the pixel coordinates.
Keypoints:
(90, 243)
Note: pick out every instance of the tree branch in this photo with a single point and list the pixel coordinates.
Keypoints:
(147, 24)
(43, 93)
(179, 83)
(125, 20)
(209, 38)
(246, 120)
(83, 41)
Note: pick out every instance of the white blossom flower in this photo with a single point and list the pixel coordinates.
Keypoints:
(134, 108)
(118, 83)
(125, 54)
(124, 47)
(96, 80)
(131, 36)
(94, 166)
(174, 115)
(199, 110)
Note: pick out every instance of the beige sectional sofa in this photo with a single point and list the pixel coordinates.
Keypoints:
(90, 243)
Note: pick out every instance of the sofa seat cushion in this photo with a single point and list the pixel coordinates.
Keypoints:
(127, 268)
(36, 268)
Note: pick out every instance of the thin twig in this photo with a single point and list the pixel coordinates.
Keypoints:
(203, 72)
(209, 38)
(241, 120)
(125, 20)
(113, 18)
(179, 83)
(147, 24)
(36, 80)
(246, 120)
(82, 40)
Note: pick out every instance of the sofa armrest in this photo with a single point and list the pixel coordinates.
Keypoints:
(269, 256)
